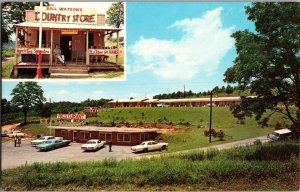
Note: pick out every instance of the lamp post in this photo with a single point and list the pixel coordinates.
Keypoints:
(50, 116)
(39, 74)
(210, 117)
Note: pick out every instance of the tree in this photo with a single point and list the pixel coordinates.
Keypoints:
(13, 13)
(115, 15)
(229, 89)
(25, 95)
(268, 62)
(5, 106)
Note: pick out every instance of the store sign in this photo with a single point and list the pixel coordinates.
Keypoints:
(33, 50)
(71, 116)
(103, 51)
(91, 109)
(69, 32)
(65, 15)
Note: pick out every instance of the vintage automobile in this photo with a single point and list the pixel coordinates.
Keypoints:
(53, 144)
(16, 133)
(92, 145)
(3, 133)
(149, 146)
(41, 140)
(280, 134)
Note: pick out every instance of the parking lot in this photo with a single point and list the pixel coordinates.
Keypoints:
(15, 156)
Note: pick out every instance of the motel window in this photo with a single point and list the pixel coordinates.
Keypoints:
(124, 137)
(85, 134)
(144, 136)
(108, 136)
(63, 132)
(105, 136)
(102, 136)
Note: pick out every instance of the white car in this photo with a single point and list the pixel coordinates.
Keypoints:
(16, 133)
(41, 140)
(149, 146)
(92, 145)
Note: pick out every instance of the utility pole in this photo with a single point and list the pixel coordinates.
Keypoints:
(210, 117)
(183, 90)
(50, 116)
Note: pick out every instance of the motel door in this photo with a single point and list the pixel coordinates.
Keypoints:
(66, 46)
(74, 136)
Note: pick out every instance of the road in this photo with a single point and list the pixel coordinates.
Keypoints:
(26, 154)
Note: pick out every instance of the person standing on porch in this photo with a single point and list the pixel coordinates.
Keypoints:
(58, 54)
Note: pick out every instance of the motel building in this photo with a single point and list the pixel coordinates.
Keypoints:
(186, 102)
(72, 127)
(79, 33)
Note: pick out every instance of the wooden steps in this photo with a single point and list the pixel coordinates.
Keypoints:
(69, 73)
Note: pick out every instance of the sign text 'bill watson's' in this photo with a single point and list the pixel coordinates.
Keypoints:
(66, 15)
(71, 116)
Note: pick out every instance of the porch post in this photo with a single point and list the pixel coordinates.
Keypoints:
(51, 47)
(118, 48)
(16, 46)
(16, 54)
(87, 61)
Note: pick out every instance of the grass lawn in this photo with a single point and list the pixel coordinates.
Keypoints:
(7, 68)
(271, 166)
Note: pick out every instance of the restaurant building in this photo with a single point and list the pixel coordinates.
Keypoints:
(186, 102)
(117, 135)
(79, 33)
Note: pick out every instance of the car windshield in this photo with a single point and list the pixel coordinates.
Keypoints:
(276, 134)
(143, 143)
(41, 138)
(90, 142)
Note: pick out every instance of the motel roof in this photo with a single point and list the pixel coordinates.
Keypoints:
(106, 129)
(178, 100)
(128, 100)
(66, 26)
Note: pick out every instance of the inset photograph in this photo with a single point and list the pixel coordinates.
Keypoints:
(69, 40)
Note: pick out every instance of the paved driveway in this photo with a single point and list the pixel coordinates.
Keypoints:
(15, 156)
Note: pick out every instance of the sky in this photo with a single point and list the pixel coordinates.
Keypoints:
(168, 45)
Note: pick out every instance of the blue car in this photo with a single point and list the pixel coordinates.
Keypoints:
(52, 144)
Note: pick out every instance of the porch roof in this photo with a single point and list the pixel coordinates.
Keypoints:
(67, 26)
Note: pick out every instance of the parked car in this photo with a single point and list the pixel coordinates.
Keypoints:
(52, 144)
(92, 145)
(280, 134)
(3, 133)
(16, 133)
(41, 140)
(149, 146)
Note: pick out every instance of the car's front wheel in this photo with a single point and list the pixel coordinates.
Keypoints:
(145, 150)
(163, 147)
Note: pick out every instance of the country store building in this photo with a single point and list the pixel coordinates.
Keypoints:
(117, 135)
(79, 33)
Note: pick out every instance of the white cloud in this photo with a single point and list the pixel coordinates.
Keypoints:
(63, 92)
(200, 49)
(97, 94)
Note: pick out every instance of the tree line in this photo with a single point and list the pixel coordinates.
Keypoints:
(217, 91)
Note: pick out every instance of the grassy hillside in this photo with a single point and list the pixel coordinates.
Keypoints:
(189, 124)
(260, 167)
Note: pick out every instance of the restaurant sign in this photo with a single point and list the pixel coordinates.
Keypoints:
(33, 51)
(103, 51)
(71, 116)
(65, 15)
